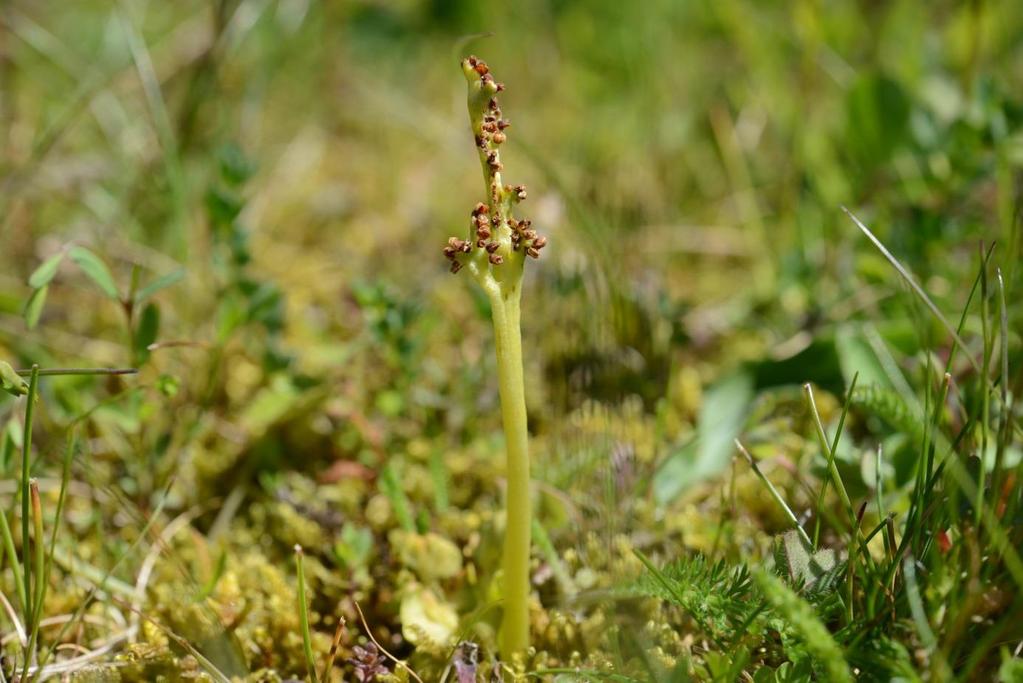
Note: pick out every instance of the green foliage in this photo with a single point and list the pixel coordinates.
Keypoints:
(46, 271)
(722, 415)
(815, 572)
(798, 617)
(1011, 670)
(877, 113)
(34, 307)
(146, 334)
(246, 302)
(720, 598)
(95, 269)
(157, 285)
(11, 381)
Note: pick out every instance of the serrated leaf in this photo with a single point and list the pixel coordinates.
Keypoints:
(160, 283)
(11, 381)
(42, 275)
(95, 269)
(34, 306)
(816, 571)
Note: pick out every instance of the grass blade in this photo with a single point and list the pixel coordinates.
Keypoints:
(26, 466)
(39, 569)
(774, 494)
(303, 616)
(908, 277)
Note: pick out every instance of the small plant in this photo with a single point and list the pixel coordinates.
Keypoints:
(32, 569)
(495, 253)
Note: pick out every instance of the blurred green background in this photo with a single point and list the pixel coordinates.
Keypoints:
(688, 159)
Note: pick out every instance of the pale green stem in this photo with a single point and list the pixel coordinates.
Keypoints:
(515, 626)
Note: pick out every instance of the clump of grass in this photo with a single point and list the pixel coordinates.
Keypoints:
(495, 253)
(32, 569)
(937, 594)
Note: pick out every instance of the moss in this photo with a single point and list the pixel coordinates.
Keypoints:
(249, 621)
(431, 556)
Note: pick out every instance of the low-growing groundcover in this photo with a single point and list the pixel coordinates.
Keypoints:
(251, 430)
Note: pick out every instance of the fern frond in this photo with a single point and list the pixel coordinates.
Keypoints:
(722, 599)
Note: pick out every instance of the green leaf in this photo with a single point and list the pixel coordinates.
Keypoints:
(804, 622)
(145, 334)
(96, 270)
(34, 306)
(160, 283)
(390, 486)
(11, 381)
(6, 450)
(856, 356)
(878, 116)
(218, 571)
(45, 272)
(234, 165)
(1011, 670)
(816, 571)
(168, 385)
(355, 546)
(223, 205)
(426, 616)
(722, 415)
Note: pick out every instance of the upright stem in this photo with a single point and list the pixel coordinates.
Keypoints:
(26, 467)
(494, 254)
(514, 636)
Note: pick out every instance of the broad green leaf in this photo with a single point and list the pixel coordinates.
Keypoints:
(11, 381)
(146, 332)
(160, 283)
(45, 272)
(878, 116)
(856, 356)
(722, 415)
(34, 306)
(95, 269)
(817, 571)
